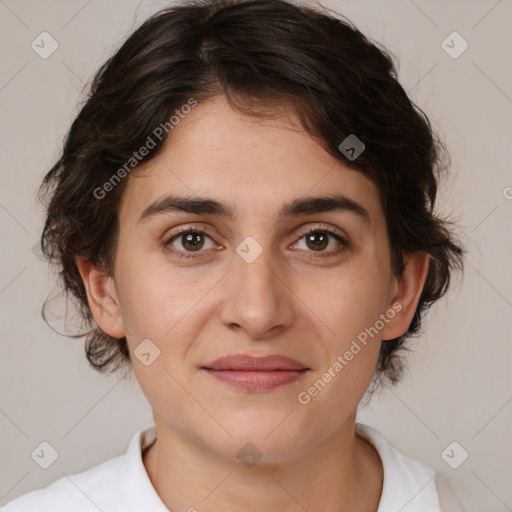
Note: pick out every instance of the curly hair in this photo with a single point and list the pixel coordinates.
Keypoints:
(261, 55)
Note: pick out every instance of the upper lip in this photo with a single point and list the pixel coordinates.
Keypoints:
(248, 363)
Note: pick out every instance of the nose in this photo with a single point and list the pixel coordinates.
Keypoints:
(257, 298)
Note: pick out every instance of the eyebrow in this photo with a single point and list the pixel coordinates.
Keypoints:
(307, 205)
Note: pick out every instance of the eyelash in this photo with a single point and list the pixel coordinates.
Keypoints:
(318, 229)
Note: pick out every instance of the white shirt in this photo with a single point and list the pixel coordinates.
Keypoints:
(121, 484)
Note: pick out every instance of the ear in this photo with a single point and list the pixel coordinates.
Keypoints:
(406, 292)
(102, 297)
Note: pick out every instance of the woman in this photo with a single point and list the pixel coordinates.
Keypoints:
(244, 211)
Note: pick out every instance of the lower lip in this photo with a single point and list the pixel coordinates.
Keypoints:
(256, 380)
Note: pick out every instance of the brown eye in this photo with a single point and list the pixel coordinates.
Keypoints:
(188, 241)
(318, 239)
(192, 241)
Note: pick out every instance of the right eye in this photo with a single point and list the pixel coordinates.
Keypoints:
(191, 241)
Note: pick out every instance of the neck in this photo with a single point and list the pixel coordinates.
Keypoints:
(344, 473)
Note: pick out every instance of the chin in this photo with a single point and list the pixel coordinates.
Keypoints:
(263, 442)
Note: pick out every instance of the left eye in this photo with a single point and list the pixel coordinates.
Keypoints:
(318, 240)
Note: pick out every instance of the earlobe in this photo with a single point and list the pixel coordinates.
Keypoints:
(407, 291)
(102, 298)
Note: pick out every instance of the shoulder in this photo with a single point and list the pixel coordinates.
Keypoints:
(447, 497)
(120, 484)
(409, 485)
(83, 492)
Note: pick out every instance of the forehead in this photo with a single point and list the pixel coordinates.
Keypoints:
(255, 165)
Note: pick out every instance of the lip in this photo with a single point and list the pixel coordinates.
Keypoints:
(258, 380)
(256, 373)
(245, 362)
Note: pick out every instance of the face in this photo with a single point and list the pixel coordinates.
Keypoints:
(200, 285)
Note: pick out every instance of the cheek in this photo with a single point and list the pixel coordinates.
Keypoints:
(350, 309)
(150, 296)
(347, 301)
(143, 303)
(169, 308)
(347, 306)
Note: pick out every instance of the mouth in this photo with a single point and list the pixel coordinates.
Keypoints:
(256, 380)
(256, 373)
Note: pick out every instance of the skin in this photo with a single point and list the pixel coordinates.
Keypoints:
(289, 301)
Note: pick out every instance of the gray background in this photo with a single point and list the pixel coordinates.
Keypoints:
(458, 386)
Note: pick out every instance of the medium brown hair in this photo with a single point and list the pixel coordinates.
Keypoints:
(260, 54)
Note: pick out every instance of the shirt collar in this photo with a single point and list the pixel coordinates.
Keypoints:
(141, 495)
(139, 491)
